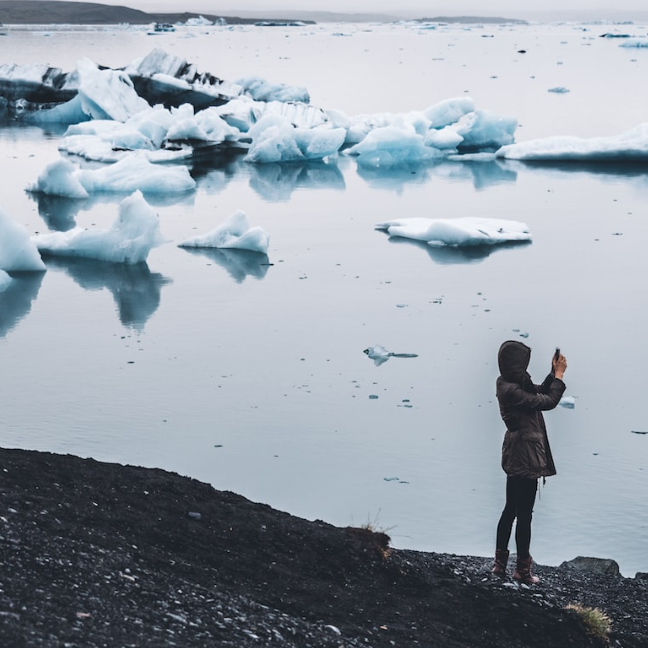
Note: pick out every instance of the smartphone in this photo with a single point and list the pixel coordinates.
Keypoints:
(557, 354)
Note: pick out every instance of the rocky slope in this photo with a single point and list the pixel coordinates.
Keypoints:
(97, 554)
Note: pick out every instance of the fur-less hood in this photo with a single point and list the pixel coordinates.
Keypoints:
(513, 360)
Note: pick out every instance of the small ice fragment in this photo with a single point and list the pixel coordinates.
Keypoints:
(567, 402)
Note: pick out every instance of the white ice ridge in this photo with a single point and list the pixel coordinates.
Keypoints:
(234, 233)
(629, 146)
(17, 252)
(457, 232)
(129, 240)
(62, 178)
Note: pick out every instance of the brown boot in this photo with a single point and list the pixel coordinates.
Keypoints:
(523, 572)
(501, 558)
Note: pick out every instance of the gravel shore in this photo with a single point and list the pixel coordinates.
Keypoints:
(98, 554)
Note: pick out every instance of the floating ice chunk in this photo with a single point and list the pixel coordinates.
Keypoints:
(299, 114)
(205, 126)
(275, 139)
(484, 129)
(559, 90)
(62, 178)
(238, 113)
(631, 146)
(59, 178)
(234, 233)
(444, 139)
(137, 173)
(380, 355)
(201, 21)
(107, 94)
(568, 402)
(171, 80)
(17, 252)
(70, 112)
(261, 90)
(129, 240)
(391, 146)
(457, 232)
(449, 111)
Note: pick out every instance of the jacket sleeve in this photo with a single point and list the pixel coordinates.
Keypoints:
(517, 397)
(546, 384)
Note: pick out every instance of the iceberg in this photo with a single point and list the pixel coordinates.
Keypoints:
(235, 233)
(275, 139)
(261, 90)
(129, 240)
(630, 146)
(457, 232)
(391, 146)
(62, 178)
(483, 129)
(107, 94)
(170, 80)
(17, 252)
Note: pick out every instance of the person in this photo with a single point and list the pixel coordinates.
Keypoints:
(526, 454)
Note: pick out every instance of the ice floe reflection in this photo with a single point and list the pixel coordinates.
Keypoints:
(240, 264)
(135, 289)
(17, 297)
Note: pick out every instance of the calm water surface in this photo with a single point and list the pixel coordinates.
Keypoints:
(252, 377)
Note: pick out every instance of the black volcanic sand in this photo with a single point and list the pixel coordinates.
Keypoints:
(98, 554)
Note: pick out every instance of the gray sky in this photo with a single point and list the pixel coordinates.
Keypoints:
(506, 8)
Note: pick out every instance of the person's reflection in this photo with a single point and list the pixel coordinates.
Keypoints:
(240, 264)
(135, 289)
(16, 299)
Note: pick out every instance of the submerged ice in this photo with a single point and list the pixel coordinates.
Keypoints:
(129, 240)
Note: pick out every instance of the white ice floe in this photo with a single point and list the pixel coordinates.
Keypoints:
(129, 240)
(62, 178)
(275, 139)
(457, 232)
(107, 94)
(17, 252)
(234, 233)
(261, 90)
(379, 354)
(568, 402)
(392, 145)
(631, 145)
(154, 132)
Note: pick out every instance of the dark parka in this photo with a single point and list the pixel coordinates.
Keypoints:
(525, 451)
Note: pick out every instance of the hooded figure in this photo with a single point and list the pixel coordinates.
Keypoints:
(526, 454)
(525, 451)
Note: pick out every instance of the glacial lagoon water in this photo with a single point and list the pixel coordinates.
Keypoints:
(252, 376)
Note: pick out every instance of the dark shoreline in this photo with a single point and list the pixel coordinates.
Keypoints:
(44, 12)
(99, 554)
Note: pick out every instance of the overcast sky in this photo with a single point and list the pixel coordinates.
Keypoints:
(506, 8)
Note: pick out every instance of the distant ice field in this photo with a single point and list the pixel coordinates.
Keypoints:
(250, 374)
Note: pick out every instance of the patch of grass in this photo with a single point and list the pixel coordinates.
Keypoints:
(372, 525)
(597, 623)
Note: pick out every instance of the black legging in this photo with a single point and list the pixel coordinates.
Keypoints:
(520, 497)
